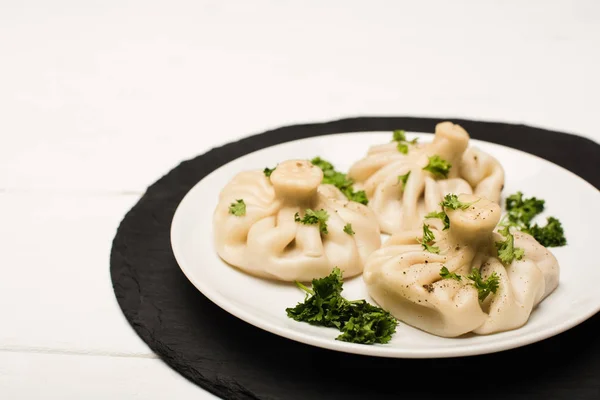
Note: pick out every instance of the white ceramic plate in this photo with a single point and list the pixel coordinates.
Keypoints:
(262, 303)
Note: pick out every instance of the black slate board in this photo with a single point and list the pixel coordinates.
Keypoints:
(235, 360)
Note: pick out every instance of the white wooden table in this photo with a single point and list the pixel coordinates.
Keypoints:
(98, 99)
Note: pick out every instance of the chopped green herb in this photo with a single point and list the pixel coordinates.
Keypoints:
(441, 215)
(358, 197)
(402, 147)
(399, 136)
(268, 171)
(348, 229)
(312, 217)
(238, 208)
(340, 180)
(521, 212)
(438, 167)
(428, 235)
(403, 179)
(369, 328)
(359, 321)
(484, 287)
(451, 201)
(428, 238)
(323, 304)
(550, 235)
(445, 274)
(506, 249)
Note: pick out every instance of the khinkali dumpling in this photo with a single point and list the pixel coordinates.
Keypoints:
(401, 192)
(406, 279)
(268, 237)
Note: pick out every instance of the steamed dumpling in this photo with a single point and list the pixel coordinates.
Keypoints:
(400, 206)
(267, 241)
(404, 278)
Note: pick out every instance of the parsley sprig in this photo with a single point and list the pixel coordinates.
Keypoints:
(521, 212)
(450, 201)
(445, 274)
(428, 239)
(268, 171)
(238, 208)
(348, 229)
(358, 321)
(550, 235)
(340, 180)
(441, 215)
(507, 252)
(403, 179)
(484, 286)
(399, 136)
(438, 166)
(312, 217)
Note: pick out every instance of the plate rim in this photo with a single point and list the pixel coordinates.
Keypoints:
(382, 351)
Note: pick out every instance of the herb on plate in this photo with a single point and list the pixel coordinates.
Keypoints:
(550, 235)
(522, 211)
(358, 321)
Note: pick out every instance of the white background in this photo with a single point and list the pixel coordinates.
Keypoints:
(98, 99)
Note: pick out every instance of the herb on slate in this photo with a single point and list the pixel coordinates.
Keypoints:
(238, 208)
(441, 215)
(445, 274)
(312, 217)
(359, 321)
(438, 167)
(268, 171)
(403, 179)
(340, 180)
(348, 229)
(507, 252)
(428, 238)
(484, 287)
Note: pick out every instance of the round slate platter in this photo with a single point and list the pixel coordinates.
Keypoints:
(235, 360)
